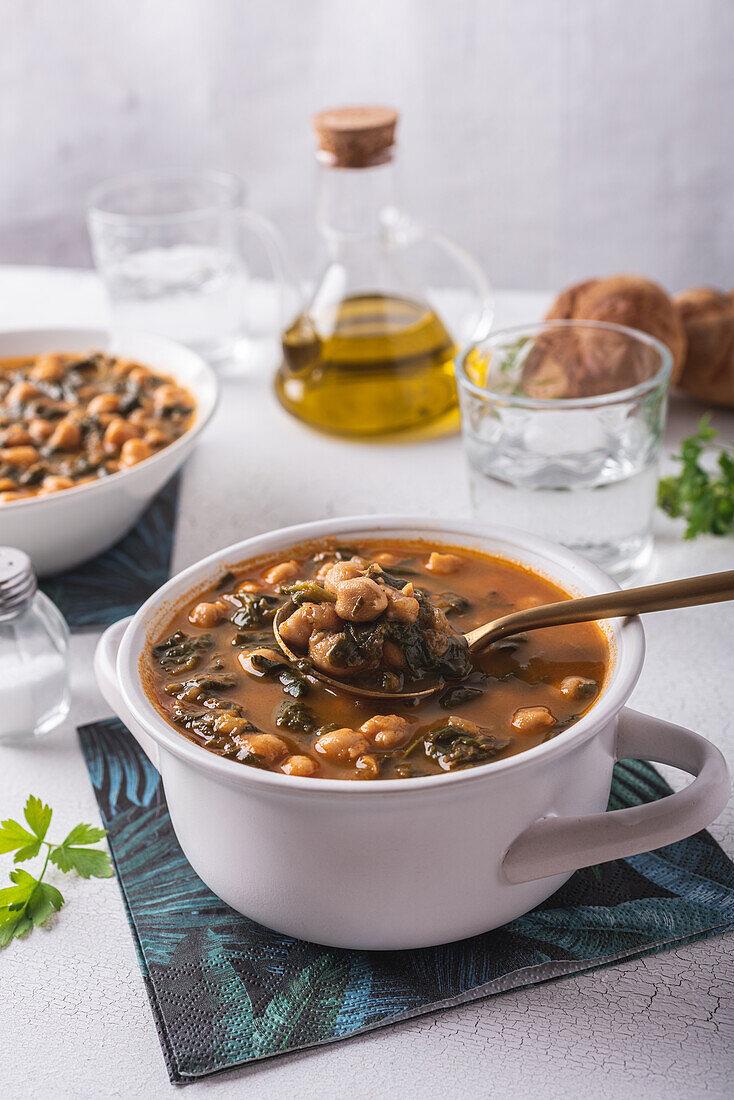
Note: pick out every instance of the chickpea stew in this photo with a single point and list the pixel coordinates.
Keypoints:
(215, 673)
(69, 419)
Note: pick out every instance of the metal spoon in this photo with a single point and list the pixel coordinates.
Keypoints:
(686, 592)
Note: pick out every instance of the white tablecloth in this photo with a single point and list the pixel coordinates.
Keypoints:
(75, 1017)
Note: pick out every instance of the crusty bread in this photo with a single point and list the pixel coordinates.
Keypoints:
(594, 363)
(708, 318)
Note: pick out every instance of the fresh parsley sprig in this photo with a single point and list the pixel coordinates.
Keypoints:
(703, 499)
(30, 901)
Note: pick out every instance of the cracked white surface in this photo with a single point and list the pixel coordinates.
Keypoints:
(76, 1020)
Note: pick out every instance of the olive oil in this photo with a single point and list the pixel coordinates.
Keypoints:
(370, 365)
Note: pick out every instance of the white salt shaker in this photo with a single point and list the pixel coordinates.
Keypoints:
(34, 642)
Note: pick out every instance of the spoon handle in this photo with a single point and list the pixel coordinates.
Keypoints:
(686, 592)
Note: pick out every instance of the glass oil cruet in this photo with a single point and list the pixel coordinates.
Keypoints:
(372, 352)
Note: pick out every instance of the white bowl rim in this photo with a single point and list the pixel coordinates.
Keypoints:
(96, 338)
(629, 636)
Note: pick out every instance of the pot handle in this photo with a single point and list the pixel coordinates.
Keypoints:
(556, 845)
(105, 670)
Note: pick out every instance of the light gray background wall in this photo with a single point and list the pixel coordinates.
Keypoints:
(556, 138)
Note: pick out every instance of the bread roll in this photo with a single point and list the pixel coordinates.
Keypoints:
(599, 362)
(708, 318)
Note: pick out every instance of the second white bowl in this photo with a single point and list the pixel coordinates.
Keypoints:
(64, 529)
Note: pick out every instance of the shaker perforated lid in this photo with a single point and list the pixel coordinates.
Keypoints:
(17, 578)
(356, 137)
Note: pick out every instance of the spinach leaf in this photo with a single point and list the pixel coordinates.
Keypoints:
(451, 603)
(307, 592)
(292, 678)
(452, 747)
(255, 609)
(296, 716)
(452, 664)
(453, 696)
(180, 653)
(201, 687)
(359, 645)
(224, 581)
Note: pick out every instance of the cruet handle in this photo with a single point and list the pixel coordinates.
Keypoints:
(404, 231)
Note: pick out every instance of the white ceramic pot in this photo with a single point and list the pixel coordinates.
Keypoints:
(64, 529)
(394, 864)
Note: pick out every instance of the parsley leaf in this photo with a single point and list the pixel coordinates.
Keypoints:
(84, 834)
(88, 862)
(13, 836)
(705, 500)
(38, 816)
(30, 901)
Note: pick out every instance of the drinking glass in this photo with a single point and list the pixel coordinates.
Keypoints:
(169, 249)
(562, 424)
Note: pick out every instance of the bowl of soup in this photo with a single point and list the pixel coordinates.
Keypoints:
(91, 428)
(359, 823)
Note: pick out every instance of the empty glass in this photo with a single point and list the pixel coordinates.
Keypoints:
(562, 424)
(169, 249)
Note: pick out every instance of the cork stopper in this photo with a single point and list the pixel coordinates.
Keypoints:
(355, 137)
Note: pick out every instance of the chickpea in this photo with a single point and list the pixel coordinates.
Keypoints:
(443, 563)
(134, 451)
(231, 724)
(408, 589)
(122, 367)
(140, 417)
(437, 641)
(19, 456)
(387, 731)
(265, 745)
(578, 687)
(20, 392)
(533, 719)
(118, 431)
(440, 622)
(464, 724)
(15, 494)
(248, 586)
(138, 375)
(393, 656)
(320, 645)
(386, 559)
(299, 765)
(338, 572)
(103, 403)
(39, 430)
(54, 483)
(207, 614)
(282, 573)
(17, 436)
(245, 659)
(343, 745)
(401, 608)
(7, 485)
(360, 600)
(368, 766)
(48, 368)
(166, 395)
(305, 620)
(154, 437)
(66, 436)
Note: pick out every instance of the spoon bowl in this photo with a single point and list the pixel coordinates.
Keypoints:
(685, 592)
(343, 685)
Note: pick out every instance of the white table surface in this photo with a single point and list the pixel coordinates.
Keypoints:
(75, 1016)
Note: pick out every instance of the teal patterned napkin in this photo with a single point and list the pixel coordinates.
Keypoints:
(115, 584)
(226, 991)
